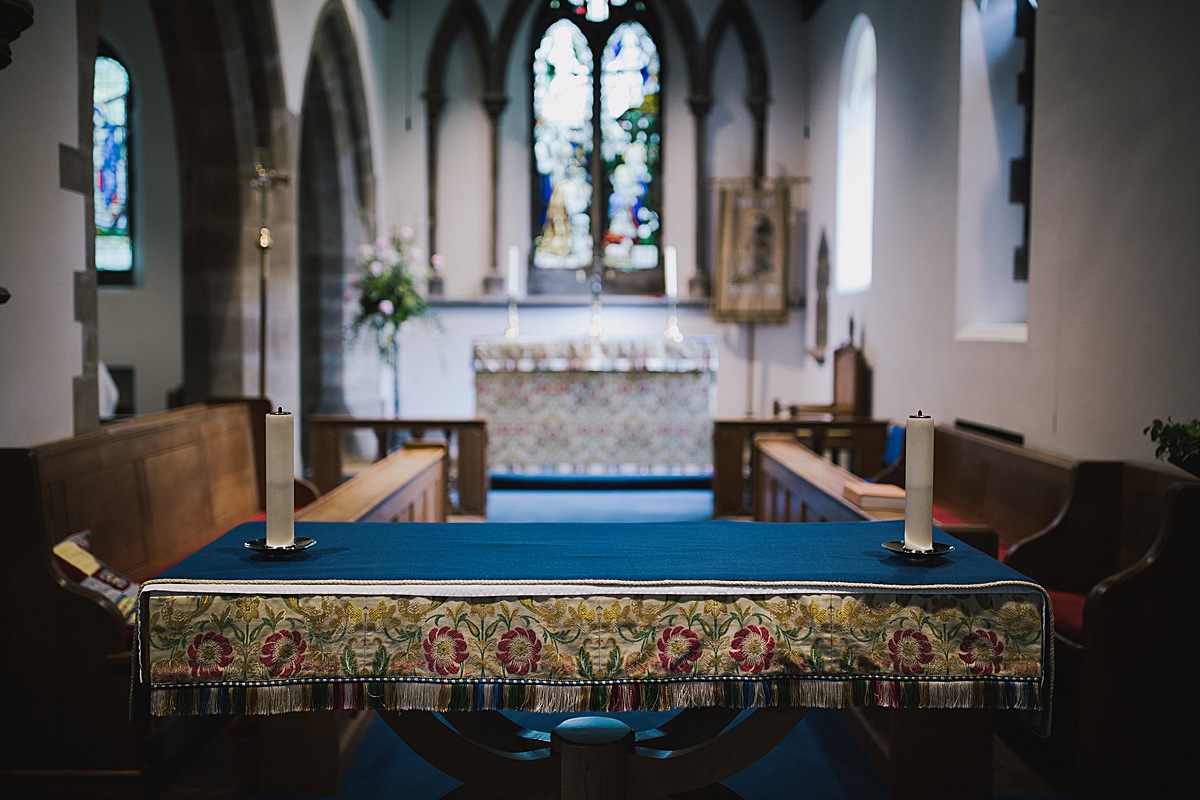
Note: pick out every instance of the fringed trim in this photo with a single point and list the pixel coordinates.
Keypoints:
(423, 695)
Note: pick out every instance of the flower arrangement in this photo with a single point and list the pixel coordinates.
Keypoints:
(389, 291)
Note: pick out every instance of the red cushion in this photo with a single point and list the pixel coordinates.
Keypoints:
(1068, 613)
(944, 516)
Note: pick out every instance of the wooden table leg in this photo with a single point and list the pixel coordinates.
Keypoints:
(593, 755)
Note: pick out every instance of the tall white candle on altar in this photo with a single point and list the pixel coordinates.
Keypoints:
(918, 483)
(514, 270)
(670, 272)
(280, 471)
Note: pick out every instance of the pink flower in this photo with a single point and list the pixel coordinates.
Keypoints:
(364, 252)
(283, 653)
(386, 307)
(519, 651)
(209, 654)
(678, 649)
(752, 648)
(376, 268)
(910, 651)
(381, 243)
(445, 648)
(983, 650)
(406, 233)
(416, 253)
(436, 260)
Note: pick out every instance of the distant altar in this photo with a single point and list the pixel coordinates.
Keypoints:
(622, 407)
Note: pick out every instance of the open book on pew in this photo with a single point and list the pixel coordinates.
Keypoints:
(865, 494)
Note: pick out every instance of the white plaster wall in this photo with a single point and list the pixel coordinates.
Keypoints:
(44, 242)
(142, 325)
(1113, 337)
(1115, 282)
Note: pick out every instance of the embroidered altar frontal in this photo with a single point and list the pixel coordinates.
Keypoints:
(587, 407)
(487, 616)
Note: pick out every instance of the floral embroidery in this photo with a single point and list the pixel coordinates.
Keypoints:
(445, 648)
(214, 638)
(678, 649)
(752, 648)
(283, 654)
(984, 651)
(910, 651)
(519, 650)
(209, 654)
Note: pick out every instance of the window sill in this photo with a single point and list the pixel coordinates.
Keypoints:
(1010, 332)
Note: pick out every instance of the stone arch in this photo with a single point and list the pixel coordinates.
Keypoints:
(336, 204)
(226, 86)
(462, 16)
(734, 15)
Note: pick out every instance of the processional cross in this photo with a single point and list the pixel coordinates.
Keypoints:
(262, 179)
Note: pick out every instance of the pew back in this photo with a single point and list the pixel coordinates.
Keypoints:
(152, 489)
(1015, 490)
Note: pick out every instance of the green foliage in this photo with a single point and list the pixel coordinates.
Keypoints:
(1177, 441)
(389, 290)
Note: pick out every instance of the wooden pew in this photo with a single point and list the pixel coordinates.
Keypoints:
(862, 439)
(151, 490)
(984, 483)
(1120, 569)
(465, 440)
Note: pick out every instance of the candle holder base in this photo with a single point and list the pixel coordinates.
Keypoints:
(939, 550)
(299, 545)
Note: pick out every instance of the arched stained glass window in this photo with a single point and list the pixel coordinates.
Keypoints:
(110, 163)
(583, 205)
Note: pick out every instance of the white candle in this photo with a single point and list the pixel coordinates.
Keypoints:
(514, 270)
(918, 483)
(280, 475)
(670, 272)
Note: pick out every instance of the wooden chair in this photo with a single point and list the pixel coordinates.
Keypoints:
(1120, 572)
(851, 387)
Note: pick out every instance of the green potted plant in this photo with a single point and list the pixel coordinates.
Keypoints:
(1178, 443)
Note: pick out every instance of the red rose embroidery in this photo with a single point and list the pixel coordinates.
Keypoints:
(283, 653)
(910, 651)
(445, 648)
(209, 654)
(678, 649)
(519, 651)
(983, 650)
(752, 648)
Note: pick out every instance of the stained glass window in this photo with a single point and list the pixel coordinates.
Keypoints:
(110, 162)
(611, 207)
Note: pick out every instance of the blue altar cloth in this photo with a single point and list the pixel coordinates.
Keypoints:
(590, 616)
(506, 553)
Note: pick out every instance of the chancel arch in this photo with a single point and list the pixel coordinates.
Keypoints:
(223, 68)
(336, 199)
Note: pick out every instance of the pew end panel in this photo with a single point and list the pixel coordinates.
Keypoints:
(1120, 570)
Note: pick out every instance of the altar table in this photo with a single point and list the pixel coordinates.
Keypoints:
(597, 407)
(714, 618)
